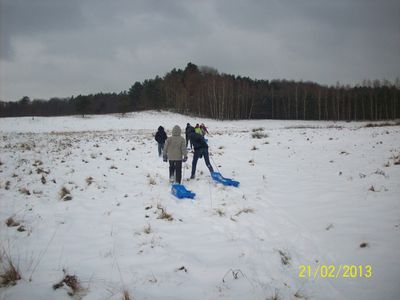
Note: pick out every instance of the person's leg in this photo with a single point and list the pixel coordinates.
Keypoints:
(178, 171)
(171, 170)
(194, 163)
(207, 161)
(159, 149)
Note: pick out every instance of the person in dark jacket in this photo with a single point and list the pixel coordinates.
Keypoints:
(160, 137)
(200, 149)
(187, 131)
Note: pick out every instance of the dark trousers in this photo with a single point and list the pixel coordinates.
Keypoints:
(175, 169)
(198, 154)
(160, 148)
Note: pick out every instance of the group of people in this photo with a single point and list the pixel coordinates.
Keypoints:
(175, 149)
(200, 129)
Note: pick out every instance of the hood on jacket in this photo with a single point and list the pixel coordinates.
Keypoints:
(160, 128)
(176, 131)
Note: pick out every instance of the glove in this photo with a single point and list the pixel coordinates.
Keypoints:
(165, 159)
(184, 159)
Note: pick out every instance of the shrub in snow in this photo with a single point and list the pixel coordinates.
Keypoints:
(259, 135)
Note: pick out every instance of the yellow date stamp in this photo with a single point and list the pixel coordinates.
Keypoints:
(333, 271)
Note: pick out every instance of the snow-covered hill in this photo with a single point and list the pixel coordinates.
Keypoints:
(311, 193)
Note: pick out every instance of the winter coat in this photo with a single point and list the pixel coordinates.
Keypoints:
(198, 130)
(203, 129)
(175, 146)
(188, 129)
(198, 141)
(161, 136)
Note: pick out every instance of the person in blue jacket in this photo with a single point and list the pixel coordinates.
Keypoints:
(200, 149)
(160, 137)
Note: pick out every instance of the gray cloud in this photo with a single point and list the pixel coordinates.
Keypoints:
(61, 48)
(21, 18)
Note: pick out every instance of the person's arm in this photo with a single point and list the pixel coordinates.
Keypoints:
(165, 151)
(184, 150)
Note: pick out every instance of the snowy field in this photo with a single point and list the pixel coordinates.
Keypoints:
(86, 211)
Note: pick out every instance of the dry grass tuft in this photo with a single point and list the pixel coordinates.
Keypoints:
(89, 180)
(275, 296)
(152, 181)
(9, 272)
(125, 295)
(37, 163)
(244, 210)
(25, 191)
(147, 229)
(183, 268)
(259, 135)
(164, 215)
(285, 257)
(21, 228)
(41, 171)
(70, 281)
(257, 129)
(65, 194)
(396, 159)
(329, 227)
(300, 295)
(10, 222)
(236, 274)
(220, 212)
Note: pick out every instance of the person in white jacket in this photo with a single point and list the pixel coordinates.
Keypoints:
(175, 152)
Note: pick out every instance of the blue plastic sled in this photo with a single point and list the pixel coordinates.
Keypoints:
(179, 191)
(225, 181)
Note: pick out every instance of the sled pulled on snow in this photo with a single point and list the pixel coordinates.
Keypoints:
(225, 181)
(179, 191)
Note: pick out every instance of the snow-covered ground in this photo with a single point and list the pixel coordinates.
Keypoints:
(311, 193)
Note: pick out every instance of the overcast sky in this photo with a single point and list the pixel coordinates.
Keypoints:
(60, 48)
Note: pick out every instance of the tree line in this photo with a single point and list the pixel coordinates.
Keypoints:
(204, 92)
